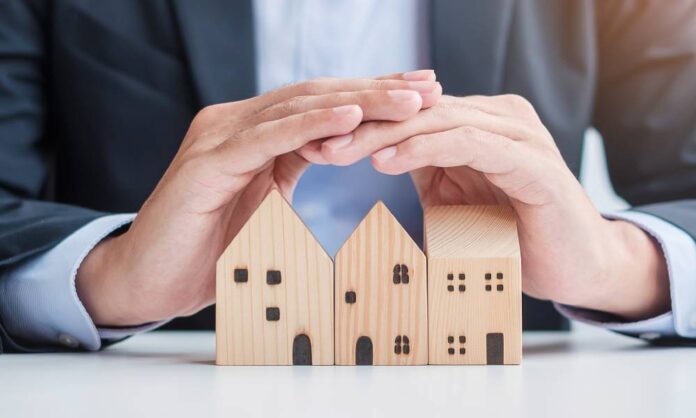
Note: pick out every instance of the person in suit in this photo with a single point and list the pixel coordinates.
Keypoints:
(137, 136)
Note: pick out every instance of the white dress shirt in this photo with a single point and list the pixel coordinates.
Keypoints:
(298, 40)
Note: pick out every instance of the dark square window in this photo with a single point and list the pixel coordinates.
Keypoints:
(404, 268)
(462, 350)
(450, 276)
(462, 288)
(499, 276)
(404, 278)
(488, 288)
(450, 288)
(462, 276)
(272, 314)
(450, 339)
(397, 268)
(241, 275)
(396, 278)
(462, 339)
(450, 351)
(350, 297)
(273, 277)
(500, 287)
(488, 276)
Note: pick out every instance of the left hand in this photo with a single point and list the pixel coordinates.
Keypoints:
(496, 150)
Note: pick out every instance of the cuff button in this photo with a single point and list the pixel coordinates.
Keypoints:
(68, 341)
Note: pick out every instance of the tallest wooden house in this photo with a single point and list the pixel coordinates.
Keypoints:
(274, 292)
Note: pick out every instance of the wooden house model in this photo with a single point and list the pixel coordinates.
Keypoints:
(274, 291)
(380, 299)
(474, 288)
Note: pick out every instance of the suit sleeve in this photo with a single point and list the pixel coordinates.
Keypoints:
(646, 113)
(28, 225)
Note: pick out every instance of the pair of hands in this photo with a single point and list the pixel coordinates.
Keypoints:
(469, 150)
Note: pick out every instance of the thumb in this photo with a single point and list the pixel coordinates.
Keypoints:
(287, 171)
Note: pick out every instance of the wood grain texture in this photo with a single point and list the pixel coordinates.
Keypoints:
(474, 247)
(389, 314)
(274, 239)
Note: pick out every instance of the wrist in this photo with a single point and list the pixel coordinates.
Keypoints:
(103, 289)
(635, 282)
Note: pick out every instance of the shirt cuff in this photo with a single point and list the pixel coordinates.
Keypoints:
(679, 250)
(39, 301)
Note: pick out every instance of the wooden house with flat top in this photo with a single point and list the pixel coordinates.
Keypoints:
(474, 285)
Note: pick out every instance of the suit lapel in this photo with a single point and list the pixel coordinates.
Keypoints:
(468, 44)
(217, 36)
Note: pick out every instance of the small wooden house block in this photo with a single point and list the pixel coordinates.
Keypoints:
(474, 287)
(274, 292)
(381, 299)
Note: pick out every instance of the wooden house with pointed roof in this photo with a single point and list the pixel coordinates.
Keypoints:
(274, 291)
(380, 299)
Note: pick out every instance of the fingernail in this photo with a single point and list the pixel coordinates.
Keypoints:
(422, 86)
(338, 142)
(403, 95)
(346, 110)
(419, 75)
(385, 154)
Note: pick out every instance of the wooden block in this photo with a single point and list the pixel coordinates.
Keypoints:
(274, 292)
(381, 299)
(474, 285)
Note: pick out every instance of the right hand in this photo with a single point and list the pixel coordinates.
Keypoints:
(232, 155)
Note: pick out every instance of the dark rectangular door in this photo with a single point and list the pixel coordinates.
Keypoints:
(494, 348)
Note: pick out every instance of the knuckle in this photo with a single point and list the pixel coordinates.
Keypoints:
(418, 145)
(472, 104)
(382, 84)
(208, 114)
(447, 105)
(291, 105)
(312, 87)
(477, 97)
(516, 101)
(470, 132)
(193, 165)
(511, 147)
(369, 131)
(309, 119)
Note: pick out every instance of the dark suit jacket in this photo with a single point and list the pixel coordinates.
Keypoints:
(95, 98)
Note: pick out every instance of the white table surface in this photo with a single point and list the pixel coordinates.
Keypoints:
(168, 374)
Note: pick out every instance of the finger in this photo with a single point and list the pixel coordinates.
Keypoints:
(449, 114)
(516, 168)
(255, 147)
(333, 85)
(418, 75)
(395, 105)
(312, 153)
(481, 150)
(288, 170)
(429, 99)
